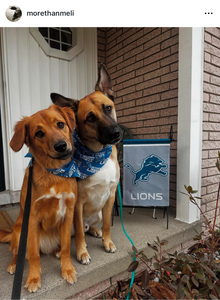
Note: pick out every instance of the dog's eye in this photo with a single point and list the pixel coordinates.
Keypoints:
(60, 125)
(90, 118)
(109, 108)
(39, 134)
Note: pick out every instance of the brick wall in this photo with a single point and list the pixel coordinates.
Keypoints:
(143, 63)
(211, 120)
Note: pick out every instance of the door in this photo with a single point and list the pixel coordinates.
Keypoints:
(32, 71)
(2, 173)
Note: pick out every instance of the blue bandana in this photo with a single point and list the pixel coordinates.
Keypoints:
(84, 162)
(88, 161)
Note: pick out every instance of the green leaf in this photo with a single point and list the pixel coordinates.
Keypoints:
(131, 254)
(199, 276)
(194, 192)
(190, 269)
(153, 247)
(185, 278)
(204, 291)
(180, 291)
(134, 249)
(189, 189)
(156, 265)
(217, 288)
(208, 270)
(195, 281)
(144, 257)
(213, 297)
(209, 283)
(133, 266)
(188, 296)
(195, 292)
(173, 277)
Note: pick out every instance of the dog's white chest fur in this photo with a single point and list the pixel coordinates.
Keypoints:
(48, 242)
(100, 185)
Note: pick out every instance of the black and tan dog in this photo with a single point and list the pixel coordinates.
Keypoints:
(97, 129)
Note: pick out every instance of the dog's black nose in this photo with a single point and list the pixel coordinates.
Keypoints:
(60, 146)
(115, 133)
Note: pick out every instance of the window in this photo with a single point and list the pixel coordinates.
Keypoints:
(59, 37)
(59, 42)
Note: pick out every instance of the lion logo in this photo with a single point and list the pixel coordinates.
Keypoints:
(152, 164)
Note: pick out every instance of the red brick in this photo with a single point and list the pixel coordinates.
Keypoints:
(209, 107)
(157, 73)
(149, 35)
(158, 56)
(149, 68)
(134, 52)
(170, 42)
(126, 91)
(148, 115)
(133, 81)
(213, 31)
(207, 57)
(169, 77)
(147, 84)
(208, 37)
(156, 89)
(149, 99)
(125, 77)
(125, 105)
(170, 59)
(131, 96)
(148, 53)
(114, 36)
(156, 106)
(133, 111)
(160, 38)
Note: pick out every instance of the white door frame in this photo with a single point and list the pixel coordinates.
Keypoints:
(190, 116)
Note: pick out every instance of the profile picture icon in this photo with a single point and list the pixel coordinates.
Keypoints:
(13, 13)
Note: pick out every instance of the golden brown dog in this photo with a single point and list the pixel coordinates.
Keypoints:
(97, 128)
(48, 134)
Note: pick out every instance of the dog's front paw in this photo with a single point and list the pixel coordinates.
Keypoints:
(109, 246)
(69, 274)
(32, 284)
(57, 253)
(84, 258)
(11, 268)
(95, 232)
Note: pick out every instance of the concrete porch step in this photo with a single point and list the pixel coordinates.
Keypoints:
(140, 226)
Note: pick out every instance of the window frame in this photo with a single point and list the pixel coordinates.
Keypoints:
(52, 52)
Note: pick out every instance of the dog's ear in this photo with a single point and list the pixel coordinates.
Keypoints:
(68, 115)
(20, 134)
(64, 102)
(104, 83)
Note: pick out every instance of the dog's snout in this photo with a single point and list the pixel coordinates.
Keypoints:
(115, 133)
(61, 146)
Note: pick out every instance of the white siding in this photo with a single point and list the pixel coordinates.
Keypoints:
(30, 78)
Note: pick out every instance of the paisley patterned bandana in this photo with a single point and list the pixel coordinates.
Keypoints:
(84, 162)
(88, 161)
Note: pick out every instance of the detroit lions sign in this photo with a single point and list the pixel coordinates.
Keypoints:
(146, 172)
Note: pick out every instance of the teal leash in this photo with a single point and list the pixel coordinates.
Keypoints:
(120, 204)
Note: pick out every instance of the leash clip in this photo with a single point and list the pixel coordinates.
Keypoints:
(31, 162)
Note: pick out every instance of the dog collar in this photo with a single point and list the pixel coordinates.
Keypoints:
(84, 162)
